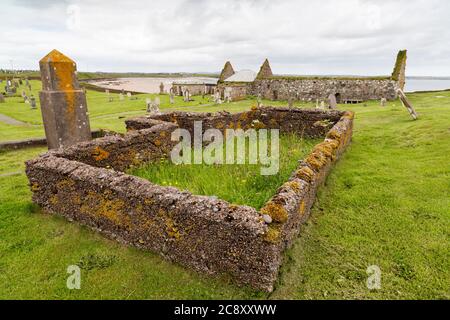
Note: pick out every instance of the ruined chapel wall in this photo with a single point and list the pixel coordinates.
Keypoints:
(312, 89)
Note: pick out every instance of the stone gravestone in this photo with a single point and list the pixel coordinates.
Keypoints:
(186, 95)
(63, 103)
(156, 105)
(161, 88)
(290, 102)
(322, 105)
(129, 95)
(332, 101)
(171, 97)
(2, 98)
(33, 102)
(148, 103)
(383, 102)
(259, 101)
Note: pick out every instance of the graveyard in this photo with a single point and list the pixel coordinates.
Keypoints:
(384, 202)
(340, 192)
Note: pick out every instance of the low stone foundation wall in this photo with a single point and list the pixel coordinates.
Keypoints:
(86, 183)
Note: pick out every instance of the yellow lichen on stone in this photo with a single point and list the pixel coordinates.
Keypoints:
(163, 134)
(157, 142)
(305, 173)
(301, 208)
(316, 160)
(294, 185)
(99, 154)
(273, 234)
(35, 187)
(64, 184)
(277, 212)
(349, 115)
(172, 230)
(243, 116)
(53, 200)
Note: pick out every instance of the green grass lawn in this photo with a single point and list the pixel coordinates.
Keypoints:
(386, 203)
(237, 184)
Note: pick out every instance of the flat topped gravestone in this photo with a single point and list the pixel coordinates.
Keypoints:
(63, 103)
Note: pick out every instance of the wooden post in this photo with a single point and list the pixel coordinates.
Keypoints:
(407, 104)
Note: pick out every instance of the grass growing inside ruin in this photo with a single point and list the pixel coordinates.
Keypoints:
(386, 203)
(237, 184)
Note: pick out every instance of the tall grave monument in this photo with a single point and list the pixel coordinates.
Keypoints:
(63, 103)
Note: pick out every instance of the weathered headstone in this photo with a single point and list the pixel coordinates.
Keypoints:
(259, 101)
(332, 101)
(171, 97)
(148, 103)
(290, 102)
(2, 98)
(161, 88)
(27, 82)
(63, 103)
(156, 105)
(383, 102)
(187, 96)
(33, 102)
(129, 95)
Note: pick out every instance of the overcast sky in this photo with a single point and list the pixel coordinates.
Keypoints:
(299, 37)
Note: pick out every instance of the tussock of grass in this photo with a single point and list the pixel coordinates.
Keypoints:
(238, 184)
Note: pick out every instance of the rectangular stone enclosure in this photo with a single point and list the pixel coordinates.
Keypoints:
(86, 183)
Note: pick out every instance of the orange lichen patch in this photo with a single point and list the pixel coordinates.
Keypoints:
(294, 185)
(243, 116)
(99, 154)
(326, 149)
(316, 160)
(53, 200)
(334, 135)
(277, 212)
(231, 125)
(305, 173)
(163, 134)
(174, 119)
(238, 125)
(301, 208)
(172, 230)
(157, 142)
(219, 125)
(258, 125)
(273, 234)
(254, 108)
(35, 187)
(64, 184)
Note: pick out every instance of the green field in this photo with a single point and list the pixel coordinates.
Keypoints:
(386, 203)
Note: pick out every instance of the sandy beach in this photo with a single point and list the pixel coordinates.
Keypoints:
(144, 85)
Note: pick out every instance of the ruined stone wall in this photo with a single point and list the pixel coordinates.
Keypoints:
(278, 88)
(85, 183)
(308, 122)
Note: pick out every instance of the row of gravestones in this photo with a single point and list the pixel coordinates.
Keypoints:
(11, 89)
